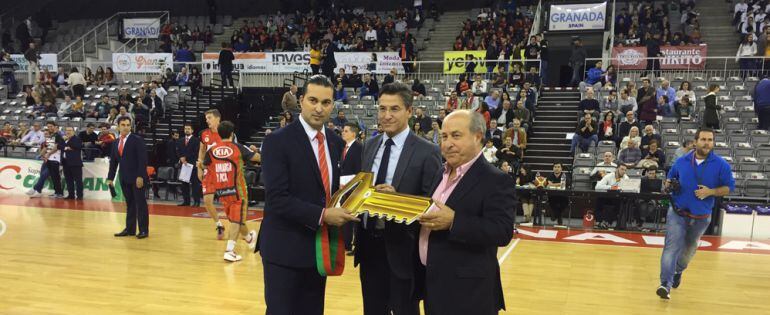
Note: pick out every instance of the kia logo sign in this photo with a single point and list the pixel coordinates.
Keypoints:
(222, 152)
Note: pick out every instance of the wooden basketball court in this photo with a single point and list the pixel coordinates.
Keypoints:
(57, 258)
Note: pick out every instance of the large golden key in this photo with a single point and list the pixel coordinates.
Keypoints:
(360, 196)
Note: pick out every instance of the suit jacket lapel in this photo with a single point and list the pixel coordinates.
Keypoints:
(403, 160)
(331, 146)
(468, 181)
(437, 180)
(371, 153)
(306, 148)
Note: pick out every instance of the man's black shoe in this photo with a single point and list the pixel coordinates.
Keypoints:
(124, 233)
(142, 235)
(184, 204)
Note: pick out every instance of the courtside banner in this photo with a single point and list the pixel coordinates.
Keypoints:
(17, 176)
(385, 61)
(577, 17)
(674, 57)
(47, 61)
(141, 62)
(141, 28)
(261, 62)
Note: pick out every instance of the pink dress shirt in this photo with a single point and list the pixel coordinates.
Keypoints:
(442, 193)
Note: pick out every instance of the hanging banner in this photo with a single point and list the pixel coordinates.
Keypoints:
(577, 17)
(141, 28)
(47, 61)
(456, 61)
(363, 61)
(17, 176)
(674, 57)
(261, 62)
(141, 62)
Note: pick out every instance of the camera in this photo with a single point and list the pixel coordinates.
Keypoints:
(674, 187)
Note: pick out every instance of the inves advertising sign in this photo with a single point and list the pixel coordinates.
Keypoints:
(577, 17)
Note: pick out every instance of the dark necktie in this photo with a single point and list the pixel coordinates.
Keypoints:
(382, 173)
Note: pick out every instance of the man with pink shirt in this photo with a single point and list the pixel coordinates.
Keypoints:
(473, 215)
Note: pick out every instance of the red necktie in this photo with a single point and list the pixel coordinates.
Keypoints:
(345, 152)
(186, 140)
(120, 145)
(322, 164)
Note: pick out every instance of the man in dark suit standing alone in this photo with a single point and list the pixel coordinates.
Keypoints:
(226, 58)
(350, 166)
(72, 163)
(187, 148)
(406, 163)
(300, 169)
(130, 152)
(473, 214)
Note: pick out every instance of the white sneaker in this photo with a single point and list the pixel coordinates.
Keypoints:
(35, 194)
(253, 243)
(232, 256)
(30, 192)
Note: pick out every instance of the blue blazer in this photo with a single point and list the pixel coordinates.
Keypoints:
(294, 195)
(72, 157)
(133, 163)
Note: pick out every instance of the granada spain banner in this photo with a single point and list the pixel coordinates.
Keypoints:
(674, 57)
(17, 176)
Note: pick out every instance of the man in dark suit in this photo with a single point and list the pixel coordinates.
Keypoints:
(350, 166)
(187, 149)
(72, 163)
(301, 172)
(406, 163)
(130, 152)
(473, 215)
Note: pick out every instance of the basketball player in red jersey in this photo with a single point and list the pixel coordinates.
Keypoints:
(209, 138)
(225, 164)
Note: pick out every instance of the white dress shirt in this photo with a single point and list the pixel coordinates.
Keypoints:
(311, 134)
(395, 152)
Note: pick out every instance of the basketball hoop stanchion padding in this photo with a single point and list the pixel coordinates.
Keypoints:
(359, 196)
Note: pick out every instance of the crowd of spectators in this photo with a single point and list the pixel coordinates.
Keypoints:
(751, 19)
(647, 24)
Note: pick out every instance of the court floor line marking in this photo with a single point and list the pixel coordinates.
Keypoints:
(660, 248)
(2, 227)
(508, 251)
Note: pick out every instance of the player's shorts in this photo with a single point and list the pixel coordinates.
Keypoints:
(206, 186)
(234, 208)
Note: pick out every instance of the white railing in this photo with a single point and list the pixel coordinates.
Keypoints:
(136, 76)
(79, 49)
(724, 67)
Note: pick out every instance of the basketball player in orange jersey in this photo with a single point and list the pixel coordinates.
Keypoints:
(209, 138)
(225, 164)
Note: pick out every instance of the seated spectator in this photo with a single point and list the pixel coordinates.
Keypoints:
(490, 152)
(34, 137)
(7, 133)
(241, 45)
(60, 80)
(518, 134)
(419, 117)
(418, 89)
(463, 85)
(524, 178)
(417, 130)
(182, 78)
(184, 54)
(686, 89)
(102, 109)
(611, 103)
(611, 181)
(340, 95)
(589, 105)
(585, 136)
(65, 106)
(626, 103)
(607, 166)
(109, 77)
(747, 50)
(607, 127)
(684, 108)
(493, 100)
(369, 86)
(631, 155)
(141, 112)
(89, 138)
(686, 147)
(50, 110)
(112, 117)
(609, 77)
(529, 97)
(516, 77)
(123, 112)
(499, 79)
(653, 156)
(523, 114)
(391, 77)
(649, 136)
(557, 180)
(106, 138)
(633, 136)
(666, 89)
(340, 120)
(625, 126)
(665, 108)
(533, 77)
(593, 80)
(452, 102)
(342, 78)
(479, 86)
(21, 131)
(648, 107)
(155, 104)
(495, 134)
(470, 102)
(434, 135)
(503, 115)
(354, 79)
(510, 153)
(483, 109)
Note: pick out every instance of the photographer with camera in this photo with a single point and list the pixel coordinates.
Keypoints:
(693, 182)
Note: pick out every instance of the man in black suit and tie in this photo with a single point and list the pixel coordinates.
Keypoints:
(72, 163)
(130, 152)
(406, 163)
(472, 216)
(187, 148)
(300, 169)
(350, 166)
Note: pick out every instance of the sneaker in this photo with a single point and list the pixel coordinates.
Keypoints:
(253, 243)
(31, 192)
(677, 280)
(59, 196)
(35, 194)
(232, 256)
(663, 292)
(220, 232)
